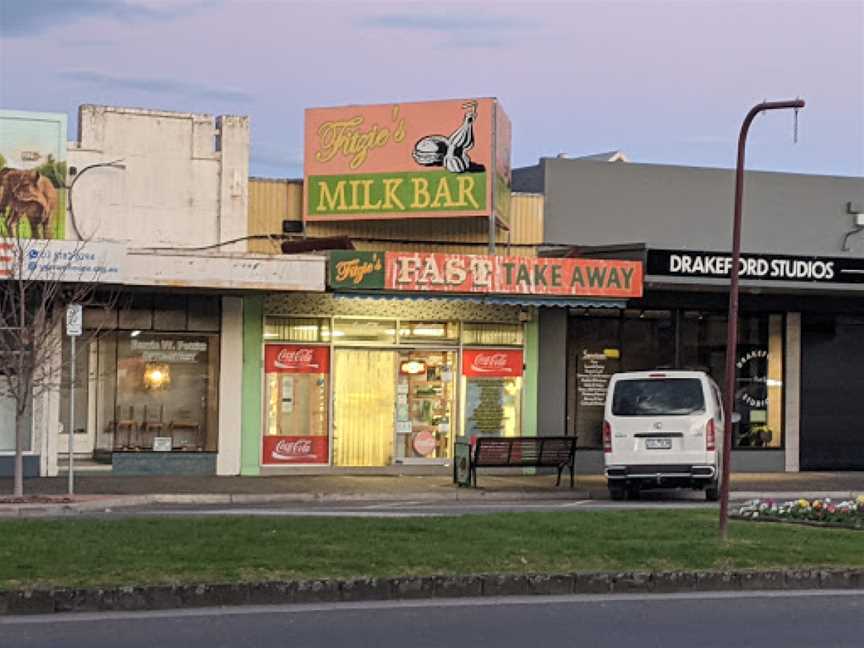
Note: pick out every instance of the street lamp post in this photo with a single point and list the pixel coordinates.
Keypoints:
(732, 324)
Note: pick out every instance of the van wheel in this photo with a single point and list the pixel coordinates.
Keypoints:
(617, 493)
(712, 493)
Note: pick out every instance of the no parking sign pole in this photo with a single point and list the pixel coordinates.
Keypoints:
(74, 327)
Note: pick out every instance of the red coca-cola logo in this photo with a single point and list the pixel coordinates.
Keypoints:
(288, 359)
(286, 450)
(488, 362)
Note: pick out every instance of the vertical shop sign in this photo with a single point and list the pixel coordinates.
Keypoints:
(490, 375)
(297, 389)
(594, 370)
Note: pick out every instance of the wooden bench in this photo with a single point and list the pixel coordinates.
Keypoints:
(523, 452)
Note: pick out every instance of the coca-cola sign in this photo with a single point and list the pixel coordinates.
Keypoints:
(295, 450)
(492, 363)
(294, 358)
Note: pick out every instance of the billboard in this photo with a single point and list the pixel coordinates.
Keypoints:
(434, 159)
(32, 175)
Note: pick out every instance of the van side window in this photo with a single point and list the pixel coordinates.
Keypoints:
(717, 400)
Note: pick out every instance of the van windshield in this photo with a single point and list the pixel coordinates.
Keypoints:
(658, 397)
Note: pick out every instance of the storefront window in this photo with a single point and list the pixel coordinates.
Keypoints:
(601, 343)
(424, 405)
(481, 334)
(7, 425)
(364, 330)
(297, 329)
(297, 394)
(166, 391)
(759, 370)
(140, 389)
(428, 332)
(491, 392)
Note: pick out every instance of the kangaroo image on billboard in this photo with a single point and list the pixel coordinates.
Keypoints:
(32, 175)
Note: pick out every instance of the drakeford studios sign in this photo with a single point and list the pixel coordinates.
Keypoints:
(759, 267)
(469, 273)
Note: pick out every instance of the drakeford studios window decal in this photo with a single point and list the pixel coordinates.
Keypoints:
(758, 267)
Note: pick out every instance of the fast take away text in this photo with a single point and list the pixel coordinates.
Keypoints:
(515, 275)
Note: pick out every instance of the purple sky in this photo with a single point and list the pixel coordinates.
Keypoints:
(666, 82)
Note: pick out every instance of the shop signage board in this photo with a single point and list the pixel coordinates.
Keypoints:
(296, 358)
(466, 273)
(432, 159)
(295, 450)
(492, 363)
(758, 267)
(356, 270)
(63, 261)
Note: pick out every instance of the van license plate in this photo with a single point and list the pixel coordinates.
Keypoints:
(658, 444)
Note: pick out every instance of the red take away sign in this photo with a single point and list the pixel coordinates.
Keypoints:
(295, 450)
(492, 363)
(296, 358)
(473, 273)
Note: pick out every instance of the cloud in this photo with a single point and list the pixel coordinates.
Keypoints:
(22, 18)
(152, 85)
(449, 23)
(706, 139)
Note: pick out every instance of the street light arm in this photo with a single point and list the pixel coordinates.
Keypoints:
(116, 164)
(732, 323)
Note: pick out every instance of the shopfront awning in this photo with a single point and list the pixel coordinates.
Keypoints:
(496, 300)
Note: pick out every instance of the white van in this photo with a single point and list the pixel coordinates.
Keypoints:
(662, 429)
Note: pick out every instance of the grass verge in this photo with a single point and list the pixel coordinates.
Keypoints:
(141, 551)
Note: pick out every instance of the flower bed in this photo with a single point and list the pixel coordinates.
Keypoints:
(822, 512)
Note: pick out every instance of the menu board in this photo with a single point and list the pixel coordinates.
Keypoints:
(594, 369)
(484, 404)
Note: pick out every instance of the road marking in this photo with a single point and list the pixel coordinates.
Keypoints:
(79, 617)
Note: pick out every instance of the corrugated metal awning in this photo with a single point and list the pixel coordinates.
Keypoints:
(496, 300)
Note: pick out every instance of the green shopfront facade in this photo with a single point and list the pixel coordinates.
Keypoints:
(368, 376)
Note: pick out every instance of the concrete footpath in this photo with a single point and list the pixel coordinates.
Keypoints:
(100, 491)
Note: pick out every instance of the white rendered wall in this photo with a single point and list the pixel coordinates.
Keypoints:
(230, 386)
(184, 183)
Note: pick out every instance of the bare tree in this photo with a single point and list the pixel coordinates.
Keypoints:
(38, 279)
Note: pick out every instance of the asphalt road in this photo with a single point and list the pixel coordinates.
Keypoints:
(758, 620)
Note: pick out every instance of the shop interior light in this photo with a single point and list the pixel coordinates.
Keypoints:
(157, 376)
(429, 331)
(413, 367)
(135, 333)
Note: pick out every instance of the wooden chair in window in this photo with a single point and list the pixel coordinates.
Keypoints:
(152, 425)
(125, 426)
(186, 426)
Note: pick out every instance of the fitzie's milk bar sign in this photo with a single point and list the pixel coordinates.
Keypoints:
(759, 267)
(467, 273)
(416, 160)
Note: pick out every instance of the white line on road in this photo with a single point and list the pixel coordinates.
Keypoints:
(421, 603)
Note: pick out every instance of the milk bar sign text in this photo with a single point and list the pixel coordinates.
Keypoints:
(465, 273)
(761, 267)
